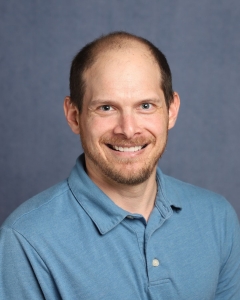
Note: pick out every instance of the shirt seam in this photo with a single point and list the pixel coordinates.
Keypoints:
(17, 232)
(26, 213)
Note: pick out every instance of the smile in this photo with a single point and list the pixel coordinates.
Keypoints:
(127, 149)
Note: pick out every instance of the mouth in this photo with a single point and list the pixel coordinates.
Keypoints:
(126, 149)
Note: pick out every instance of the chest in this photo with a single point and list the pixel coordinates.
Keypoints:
(131, 262)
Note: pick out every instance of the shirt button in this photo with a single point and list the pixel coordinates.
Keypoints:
(155, 262)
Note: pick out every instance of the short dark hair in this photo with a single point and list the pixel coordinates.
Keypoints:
(86, 57)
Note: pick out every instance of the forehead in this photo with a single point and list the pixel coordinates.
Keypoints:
(125, 61)
(129, 74)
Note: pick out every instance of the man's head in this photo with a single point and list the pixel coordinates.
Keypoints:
(121, 111)
(114, 41)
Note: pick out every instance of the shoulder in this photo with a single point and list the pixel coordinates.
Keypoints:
(196, 200)
(38, 207)
(205, 213)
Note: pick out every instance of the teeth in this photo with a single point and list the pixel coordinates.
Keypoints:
(127, 149)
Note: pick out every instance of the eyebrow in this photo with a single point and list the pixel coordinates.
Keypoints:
(101, 102)
(113, 102)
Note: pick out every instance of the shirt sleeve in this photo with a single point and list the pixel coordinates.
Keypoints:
(229, 277)
(19, 278)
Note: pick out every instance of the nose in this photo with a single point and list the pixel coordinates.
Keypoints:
(127, 125)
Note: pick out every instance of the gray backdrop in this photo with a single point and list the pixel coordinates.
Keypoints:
(38, 40)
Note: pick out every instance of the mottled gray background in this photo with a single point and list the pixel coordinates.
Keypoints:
(201, 40)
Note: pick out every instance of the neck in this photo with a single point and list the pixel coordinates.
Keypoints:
(132, 198)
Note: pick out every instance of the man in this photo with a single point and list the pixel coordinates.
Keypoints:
(118, 228)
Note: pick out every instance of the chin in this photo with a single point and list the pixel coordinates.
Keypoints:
(128, 175)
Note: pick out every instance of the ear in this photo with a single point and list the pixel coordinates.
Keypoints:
(72, 115)
(173, 110)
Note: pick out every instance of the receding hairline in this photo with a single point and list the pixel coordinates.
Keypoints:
(118, 41)
(113, 42)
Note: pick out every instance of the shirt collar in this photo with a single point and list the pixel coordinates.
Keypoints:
(101, 209)
(167, 194)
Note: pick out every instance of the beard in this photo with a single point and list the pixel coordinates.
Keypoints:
(123, 170)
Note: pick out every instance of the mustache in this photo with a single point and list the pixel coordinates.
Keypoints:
(124, 142)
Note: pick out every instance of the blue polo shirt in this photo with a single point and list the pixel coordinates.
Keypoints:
(72, 242)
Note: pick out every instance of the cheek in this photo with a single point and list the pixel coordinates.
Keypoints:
(158, 127)
(95, 129)
(99, 126)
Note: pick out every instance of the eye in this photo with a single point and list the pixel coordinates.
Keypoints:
(146, 105)
(106, 107)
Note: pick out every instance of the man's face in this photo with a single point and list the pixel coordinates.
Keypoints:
(124, 119)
